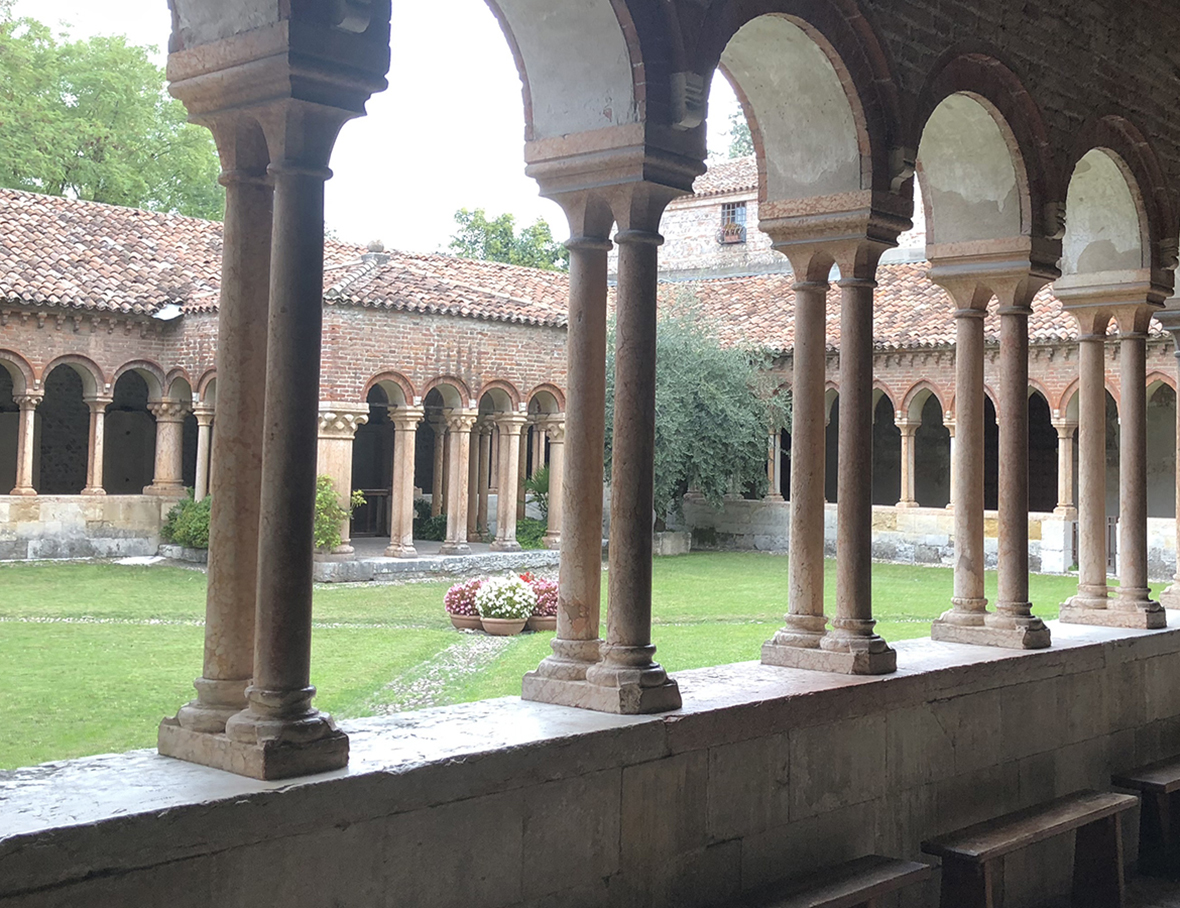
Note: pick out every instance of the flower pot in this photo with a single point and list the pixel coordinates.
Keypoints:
(543, 623)
(466, 622)
(504, 627)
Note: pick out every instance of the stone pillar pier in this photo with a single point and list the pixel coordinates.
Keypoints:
(538, 438)
(26, 441)
(473, 483)
(555, 429)
(510, 426)
(459, 423)
(1170, 319)
(204, 415)
(774, 467)
(1057, 548)
(98, 411)
(521, 475)
(337, 429)
(405, 428)
(485, 461)
(628, 679)
(949, 425)
(438, 479)
(561, 677)
(909, 431)
(167, 480)
(1066, 506)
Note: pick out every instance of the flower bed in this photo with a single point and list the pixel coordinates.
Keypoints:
(503, 605)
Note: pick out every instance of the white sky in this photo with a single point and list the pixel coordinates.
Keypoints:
(447, 134)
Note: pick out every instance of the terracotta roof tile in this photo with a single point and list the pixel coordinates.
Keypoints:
(722, 177)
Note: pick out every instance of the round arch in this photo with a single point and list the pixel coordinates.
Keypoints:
(399, 390)
(94, 382)
(207, 387)
(18, 369)
(151, 373)
(178, 385)
(549, 399)
(503, 395)
(1043, 460)
(453, 392)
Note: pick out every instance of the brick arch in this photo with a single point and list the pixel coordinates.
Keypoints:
(1162, 378)
(553, 390)
(1065, 399)
(18, 367)
(978, 70)
(149, 371)
(1035, 387)
(886, 391)
(500, 389)
(174, 376)
(457, 385)
(917, 396)
(394, 378)
(94, 381)
(205, 382)
(990, 393)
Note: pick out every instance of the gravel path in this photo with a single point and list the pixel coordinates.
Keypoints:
(426, 684)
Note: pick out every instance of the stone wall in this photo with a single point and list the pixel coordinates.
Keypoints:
(80, 526)
(764, 773)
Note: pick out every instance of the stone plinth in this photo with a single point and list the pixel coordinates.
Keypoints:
(266, 761)
(1006, 637)
(859, 662)
(1147, 619)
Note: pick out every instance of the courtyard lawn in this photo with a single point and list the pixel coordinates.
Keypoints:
(93, 655)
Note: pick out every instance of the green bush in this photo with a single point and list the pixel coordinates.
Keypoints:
(432, 529)
(329, 513)
(421, 510)
(537, 488)
(530, 533)
(187, 523)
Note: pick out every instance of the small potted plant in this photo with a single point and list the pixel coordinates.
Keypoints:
(544, 616)
(459, 602)
(505, 604)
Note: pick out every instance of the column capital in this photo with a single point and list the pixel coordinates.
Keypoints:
(1012, 269)
(98, 402)
(851, 232)
(908, 426)
(339, 420)
(28, 400)
(204, 413)
(404, 418)
(510, 423)
(555, 430)
(167, 410)
(461, 420)
(1065, 427)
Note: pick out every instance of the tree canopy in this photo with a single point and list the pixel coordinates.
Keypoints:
(741, 142)
(715, 408)
(91, 120)
(497, 240)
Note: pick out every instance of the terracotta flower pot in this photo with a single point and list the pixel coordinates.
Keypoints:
(466, 622)
(504, 627)
(543, 623)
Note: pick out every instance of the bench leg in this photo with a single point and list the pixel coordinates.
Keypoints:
(1159, 851)
(966, 884)
(1098, 865)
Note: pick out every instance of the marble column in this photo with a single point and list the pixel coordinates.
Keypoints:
(510, 426)
(459, 423)
(521, 475)
(537, 434)
(204, 415)
(968, 605)
(485, 461)
(167, 480)
(628, 678)
(448, 441)
(338, 423)
(909, 461)
(949, 424)
(98, 411)
(279, 712)
(473, 484)
(439, 427)
(774, 467)
(1066, 506)
(561, 676)
(805, 621)
(1170, 319)
(405, 429)
(555, 429)
(26, 441)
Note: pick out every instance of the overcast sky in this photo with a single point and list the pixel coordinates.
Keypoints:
(447, 134)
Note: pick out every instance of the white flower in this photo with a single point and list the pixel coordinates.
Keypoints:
(505, 597)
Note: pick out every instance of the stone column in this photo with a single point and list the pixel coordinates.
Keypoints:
(555, 429)
(204, 415)
(538, 438)
(909, 458)
(98, 411)
(1170, 319)
(448, 441)
(805, 620)
(438, 425)
(628, 679)
(521, 475)
(561, 677)
(279, 712)
(852, 640)
(26, 441)
(459, 423)
(401, 537)
(1065, 492)
(473, 484)
(337, 429)
(167, 479)
(1013, 623)
(968, 606)
(485, 460)
(510, 426)
(949, 425)
(774, 467)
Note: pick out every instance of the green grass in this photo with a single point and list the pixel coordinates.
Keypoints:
(131, 641)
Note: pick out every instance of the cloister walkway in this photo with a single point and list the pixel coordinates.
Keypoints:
(370, 562)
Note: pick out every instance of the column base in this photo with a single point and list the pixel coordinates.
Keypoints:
(454, 548)
(168, 491)
(847, 662)
(1140, 618)
(94, 491)
(400, 551)
(267, 761)
(964, 613)
(1170, 598)
(24, 493)
(554, 542)
(906, 504)
(629, 683)
(776, 499)
(505, 545)
(1031, 637)
(216, 702)
(625, 700)
(561, 679)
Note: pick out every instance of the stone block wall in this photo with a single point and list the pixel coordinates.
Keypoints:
(764, 773)
(80, 526)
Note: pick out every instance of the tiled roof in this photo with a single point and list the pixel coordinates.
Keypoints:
(85, 255)
(723, 177)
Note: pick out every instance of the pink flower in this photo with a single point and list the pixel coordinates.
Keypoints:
(460, 599)
(546, 591)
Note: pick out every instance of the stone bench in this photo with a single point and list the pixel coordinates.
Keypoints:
(973, 858)
(1159, 844)
(857, 884)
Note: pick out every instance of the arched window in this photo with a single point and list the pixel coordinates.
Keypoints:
(63, 429)
(129, 452)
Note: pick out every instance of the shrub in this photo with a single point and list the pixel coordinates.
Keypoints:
(530, 533)
(421, 510)
(187, 523)
(329, 513)
(537, 488)
(460, 599)
(505, 597)
(433, 529)
(546, 591)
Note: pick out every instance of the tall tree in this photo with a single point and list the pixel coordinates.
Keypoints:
(497, 240)
(741, 142)
(90, 119)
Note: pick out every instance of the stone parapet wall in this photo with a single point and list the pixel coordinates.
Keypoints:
(80, 526)
(764, 773)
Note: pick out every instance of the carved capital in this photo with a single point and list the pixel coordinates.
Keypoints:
(99, 404)
(406, 419)
(341, 421)
(169, 410)
(204, 414)
(511, 424)
(461, 420)
(29, 400)
(555, 429)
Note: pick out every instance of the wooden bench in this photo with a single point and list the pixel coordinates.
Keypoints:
(973, 858)
(857, 884)
(1159, 844)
